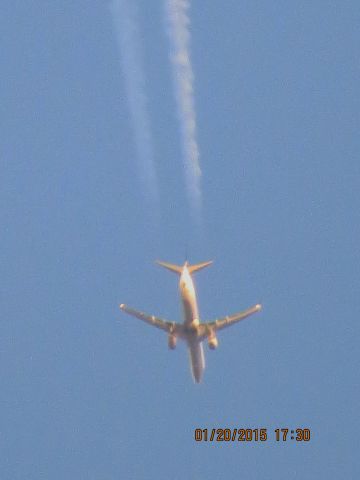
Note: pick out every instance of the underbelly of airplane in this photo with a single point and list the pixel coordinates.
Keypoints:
(197, 360)
(190, 311)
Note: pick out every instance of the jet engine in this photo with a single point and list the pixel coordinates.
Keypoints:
(212, 341)
(172, 341)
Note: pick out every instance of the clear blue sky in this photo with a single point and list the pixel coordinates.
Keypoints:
(88, 393)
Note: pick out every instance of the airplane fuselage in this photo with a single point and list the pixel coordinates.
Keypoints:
(188, 298)
(191, 321)
(192, 331)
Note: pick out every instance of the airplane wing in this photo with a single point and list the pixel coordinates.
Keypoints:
(221, 323)
(150, 319)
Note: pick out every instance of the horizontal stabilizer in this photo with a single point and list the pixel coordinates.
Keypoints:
(199, 266)
(178, 269)
(170, 266)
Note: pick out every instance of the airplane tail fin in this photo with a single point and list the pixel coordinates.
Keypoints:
(178, 268)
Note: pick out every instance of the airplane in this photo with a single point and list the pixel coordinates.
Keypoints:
(191, 330)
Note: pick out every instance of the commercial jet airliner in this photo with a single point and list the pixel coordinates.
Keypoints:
(191, 330)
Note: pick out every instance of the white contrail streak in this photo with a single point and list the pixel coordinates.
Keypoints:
(178, 23)
(127, 31)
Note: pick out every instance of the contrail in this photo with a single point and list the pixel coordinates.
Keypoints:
(126, 25)
(178, 23)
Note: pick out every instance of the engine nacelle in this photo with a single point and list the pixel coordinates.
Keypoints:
(213, 342)
(172, 342)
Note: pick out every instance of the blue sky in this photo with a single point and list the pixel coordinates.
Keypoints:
(88, 393)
